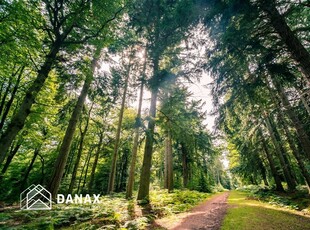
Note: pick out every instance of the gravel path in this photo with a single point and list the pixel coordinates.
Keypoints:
(206, 216)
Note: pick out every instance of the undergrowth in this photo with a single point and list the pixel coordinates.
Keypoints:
(114, 212)
(297, 200)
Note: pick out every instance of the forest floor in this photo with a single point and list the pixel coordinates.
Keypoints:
(257, 208)
(206, 216)
(242, 210)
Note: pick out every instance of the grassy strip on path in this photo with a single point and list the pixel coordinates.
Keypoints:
(248, 214)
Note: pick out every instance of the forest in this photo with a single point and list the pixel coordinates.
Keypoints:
(96, 98)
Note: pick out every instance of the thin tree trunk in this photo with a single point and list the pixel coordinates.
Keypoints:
(295, 151)
(9, 103)
(66, 144)
(131, 178)
(118, 133)
(92, 175)
(6, 92)
(36, 153)
(19, 118)
(273, 169)
(169, 163)
(290, 182)
(166, 165)
(86, 170)
(73, 148)
(80, 151)
(263, 171)
(301, 132)
(304, 102)
(298, 52)
(42, 181)
(184, 165)
(82, 172)
(122, 176)
(10, 158)
(76, 163)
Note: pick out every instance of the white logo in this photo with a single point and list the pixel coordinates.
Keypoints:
(36, 197)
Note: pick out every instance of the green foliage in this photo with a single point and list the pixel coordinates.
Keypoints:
(164, 203)
(296, 201)
(113, 212)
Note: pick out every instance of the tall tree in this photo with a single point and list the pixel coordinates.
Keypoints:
(119, 125)
(176, 18)
(63, 22)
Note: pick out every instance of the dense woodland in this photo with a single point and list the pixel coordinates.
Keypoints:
(75, 115)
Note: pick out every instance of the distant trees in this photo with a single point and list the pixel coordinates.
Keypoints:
(256, 69)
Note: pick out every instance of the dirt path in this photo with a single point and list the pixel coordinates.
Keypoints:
(206, 216)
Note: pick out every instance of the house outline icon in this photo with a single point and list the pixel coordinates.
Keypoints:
(35, 197)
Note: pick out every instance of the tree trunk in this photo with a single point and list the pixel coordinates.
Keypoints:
(122, 175)
(83, 175)
(93, 170)
(131, 178)
(36, 153)
(166, 164)
(185, 165)
(81, 146)
(19, 118)
(144, 189)
(295, 151)
(86, 170)
(6, 92)
(301, 132)
(78, 159)
(10, 158)
(65, 147)
(9, 103)
(42, 181)
(70, 161)
(273, 169)
(263, 171)
(298, 52)
(118, 133)
(169, 162)
(290, 181)
(305, 103)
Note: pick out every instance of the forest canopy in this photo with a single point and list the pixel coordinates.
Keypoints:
(95, 96)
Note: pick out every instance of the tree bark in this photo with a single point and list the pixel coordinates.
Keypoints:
(131, 178)
(86, 170)
(290, 181)
(295, 151)
(65, 147)
(169, 162)
(301, 132)
(305, 103)
(9, 103)
(83, 175)
(273, 169)
(263, 171)
(78, 157)
(93, 170)
(6, 92)
(144, 189)
(36, 153)
(118, 133)
(298, 52)
(184, 165)
(10, 158)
